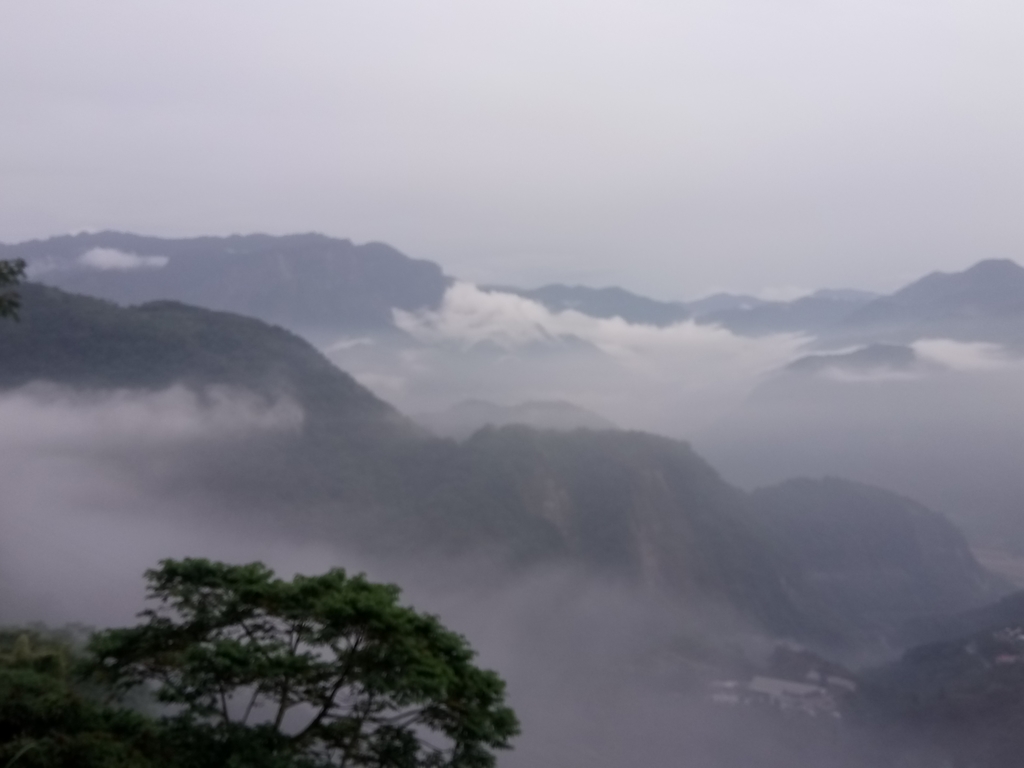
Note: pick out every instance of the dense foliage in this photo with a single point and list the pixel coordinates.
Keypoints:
(234, 667)
(48, 718)
(960, 700)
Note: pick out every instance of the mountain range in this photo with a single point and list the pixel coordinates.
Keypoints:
(310, 283)
(326, 287)
(635, 507)
(468, 416)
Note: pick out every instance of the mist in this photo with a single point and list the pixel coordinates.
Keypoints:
(945, 430)
(675, 150)
(497, 346)
(952, 437)
(87, 507)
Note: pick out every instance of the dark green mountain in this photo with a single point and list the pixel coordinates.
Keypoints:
(95, 344)
(91, 344)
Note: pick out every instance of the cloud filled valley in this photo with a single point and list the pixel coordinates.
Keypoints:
(535, 385)
(584, 544)
(500, 346)
(94, 493)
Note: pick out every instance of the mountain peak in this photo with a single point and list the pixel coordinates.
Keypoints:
(995, 268)
(952, 303)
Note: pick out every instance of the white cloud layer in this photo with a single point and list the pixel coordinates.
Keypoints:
(471, 316)
(110, 258)
(41, 417)
(664, 379)
(964, 355)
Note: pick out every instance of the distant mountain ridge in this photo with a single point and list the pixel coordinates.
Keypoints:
(309, 283)
(326, 287)
(603, 302)
(466, 417)
(984, 302)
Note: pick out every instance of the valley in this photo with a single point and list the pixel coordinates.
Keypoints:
(586, 556)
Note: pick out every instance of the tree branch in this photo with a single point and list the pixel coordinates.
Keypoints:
(329, 701)
(252, 703)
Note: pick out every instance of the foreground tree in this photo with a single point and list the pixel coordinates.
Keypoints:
(318, 671)
(47, 720)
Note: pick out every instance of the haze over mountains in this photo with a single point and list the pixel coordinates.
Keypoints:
(200, 419)
(917, 391)
(312, 283)
(316, 284)
(633, 506)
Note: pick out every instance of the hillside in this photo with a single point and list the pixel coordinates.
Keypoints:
(982, 303)
(634, 507)
(91, 344)
(466, 417)
(881, 556)
(953, 702)
(603, 302)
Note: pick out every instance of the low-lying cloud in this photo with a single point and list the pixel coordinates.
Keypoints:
(85, 500)
(41, 416)
(77, 529)
(966, 356)
(111, 258)
(664, 379)
(469, 316)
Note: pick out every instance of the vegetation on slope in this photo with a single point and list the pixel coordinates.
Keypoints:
(234, 667)
(636, 507)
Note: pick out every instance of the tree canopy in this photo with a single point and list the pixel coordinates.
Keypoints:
(326, 670)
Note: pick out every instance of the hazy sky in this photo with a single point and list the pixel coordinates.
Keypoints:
(671, 147)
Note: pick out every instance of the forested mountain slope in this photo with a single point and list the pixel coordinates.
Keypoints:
(631, 506)
(879, 555)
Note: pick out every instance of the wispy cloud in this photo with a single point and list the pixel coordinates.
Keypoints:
(111, 258)
(470, 316)
(37, 417)
(966, 356)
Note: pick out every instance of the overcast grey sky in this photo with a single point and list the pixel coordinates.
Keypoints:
(671, 147)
